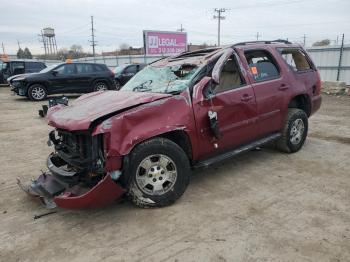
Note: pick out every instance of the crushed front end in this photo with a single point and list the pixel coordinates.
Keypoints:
(76, 176)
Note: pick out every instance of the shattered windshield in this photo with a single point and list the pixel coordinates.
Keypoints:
(168, 79)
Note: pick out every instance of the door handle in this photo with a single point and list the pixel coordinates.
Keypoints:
(283, 87)
(246, 98)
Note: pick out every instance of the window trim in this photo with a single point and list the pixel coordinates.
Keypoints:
(275, 63)
(244, 82)
(308, 59)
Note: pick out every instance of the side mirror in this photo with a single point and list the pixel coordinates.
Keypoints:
(54, 72)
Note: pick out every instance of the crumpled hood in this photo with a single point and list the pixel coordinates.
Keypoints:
(87, 108)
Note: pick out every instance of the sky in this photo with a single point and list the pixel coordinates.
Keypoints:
(123, 21)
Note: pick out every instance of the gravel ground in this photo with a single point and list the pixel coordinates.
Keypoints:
(261, 206)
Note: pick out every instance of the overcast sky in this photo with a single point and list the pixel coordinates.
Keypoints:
(122, 21)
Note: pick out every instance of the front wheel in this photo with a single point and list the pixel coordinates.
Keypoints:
(157, 173)
(294, 132)
(100, 86)
(37, 92)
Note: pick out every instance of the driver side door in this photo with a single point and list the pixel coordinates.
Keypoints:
(233, 101)
(63, 78)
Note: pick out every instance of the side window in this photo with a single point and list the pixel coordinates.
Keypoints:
(262, 65)
(131, 69)
(17, 67)
(84, 68)
(67, 69)
(34, 66)
(296, 59)
(98, 68)
(230, 77)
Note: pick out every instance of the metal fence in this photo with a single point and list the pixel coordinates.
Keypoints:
(113, 61)
(327, 61)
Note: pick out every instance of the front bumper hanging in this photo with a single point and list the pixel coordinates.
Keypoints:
(53, 189)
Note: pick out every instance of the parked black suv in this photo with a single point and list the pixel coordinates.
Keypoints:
(125, 72)
(64, 78)
(16, 67)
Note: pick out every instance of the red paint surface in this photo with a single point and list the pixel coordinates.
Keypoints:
(104, 193)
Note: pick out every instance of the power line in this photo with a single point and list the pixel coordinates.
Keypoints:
(219, 17)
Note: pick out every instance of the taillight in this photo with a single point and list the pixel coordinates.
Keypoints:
(317, 88)
(111, 73)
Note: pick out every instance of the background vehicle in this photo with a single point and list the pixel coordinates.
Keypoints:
(125, 72)
(64, 78)
(180, 113)
(16, 67)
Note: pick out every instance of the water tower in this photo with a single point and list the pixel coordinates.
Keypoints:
(49, 41)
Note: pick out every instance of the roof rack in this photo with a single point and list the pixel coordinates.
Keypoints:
(264, 42)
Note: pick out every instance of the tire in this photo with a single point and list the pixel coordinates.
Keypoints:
(37, 92)
(294, 131)
(157, 173)
(100, 86)
(117, 85)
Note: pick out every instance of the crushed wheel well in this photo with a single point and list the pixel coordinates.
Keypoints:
(302, 102)
(181, 138)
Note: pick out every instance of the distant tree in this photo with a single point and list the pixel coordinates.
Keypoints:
(27, 54)
(323, 42)
(20, 53)
(124, 46)
(76, 51)
(62, 54)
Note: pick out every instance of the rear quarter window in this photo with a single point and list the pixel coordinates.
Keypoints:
(296, 59)
(99, 68)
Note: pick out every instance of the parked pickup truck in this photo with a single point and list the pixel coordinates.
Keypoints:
(177, 114)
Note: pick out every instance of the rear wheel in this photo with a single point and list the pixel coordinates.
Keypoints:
(294, 132)
(100, 86)
(158, 173)
(37, 92)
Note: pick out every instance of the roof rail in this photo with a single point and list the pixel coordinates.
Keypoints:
(264, 42)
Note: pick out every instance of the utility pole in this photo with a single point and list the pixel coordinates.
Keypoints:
(181, 29)
(340, 57)
(3, 48)
(304, 40)
(219, 17)
(93, 42)
(19, 44)
(257, 36)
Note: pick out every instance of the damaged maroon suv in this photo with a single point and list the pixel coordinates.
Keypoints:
(177, 114)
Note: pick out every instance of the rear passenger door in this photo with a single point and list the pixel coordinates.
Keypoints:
(269, 85)
(85, 76)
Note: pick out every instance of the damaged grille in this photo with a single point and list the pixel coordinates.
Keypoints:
(79, 149)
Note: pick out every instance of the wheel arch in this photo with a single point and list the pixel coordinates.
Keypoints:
(301, 101)
(38, 83)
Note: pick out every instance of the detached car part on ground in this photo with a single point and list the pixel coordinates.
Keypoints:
(177, 114)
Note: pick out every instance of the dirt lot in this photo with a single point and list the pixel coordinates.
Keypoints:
(261, 206)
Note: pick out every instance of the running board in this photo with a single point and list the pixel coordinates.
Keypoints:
(239, 150)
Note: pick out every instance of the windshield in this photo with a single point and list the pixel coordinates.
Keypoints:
(168, 79)
(47, 69)
(119, 69)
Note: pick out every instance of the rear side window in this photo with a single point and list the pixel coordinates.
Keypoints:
(99, 68)
(262, 65)
(85, 68)
(17, 65)
(296, 59)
